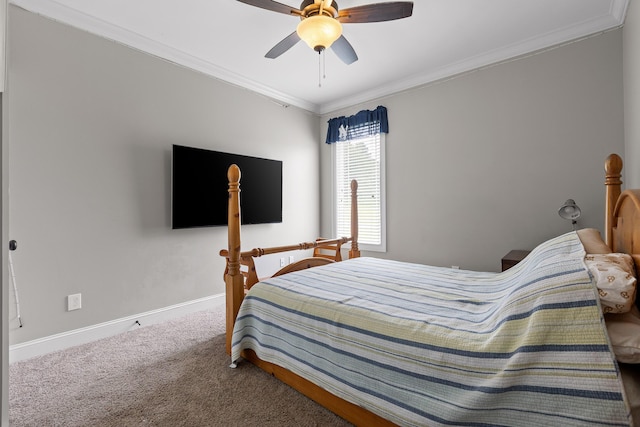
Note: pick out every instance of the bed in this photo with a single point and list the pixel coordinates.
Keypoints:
(383, 342)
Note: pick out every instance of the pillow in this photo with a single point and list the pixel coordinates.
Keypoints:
(624, 334)
(592, 241)
(615, 279)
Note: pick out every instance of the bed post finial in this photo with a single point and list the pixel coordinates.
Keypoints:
(613, 184)
(355, 250)
(234, 280)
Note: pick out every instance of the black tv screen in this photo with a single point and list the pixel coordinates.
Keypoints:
(199, 191)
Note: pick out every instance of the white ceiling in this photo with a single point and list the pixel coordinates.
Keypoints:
(228, 39)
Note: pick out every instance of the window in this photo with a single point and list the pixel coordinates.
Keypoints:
(361, 159)
(358, 153)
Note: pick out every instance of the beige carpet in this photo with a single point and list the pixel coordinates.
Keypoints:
(170, 374)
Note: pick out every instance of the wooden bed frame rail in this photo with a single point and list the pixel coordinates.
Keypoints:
(247, 258)
(240, 272)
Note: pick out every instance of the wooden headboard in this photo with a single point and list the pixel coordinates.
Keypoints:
(622, 212)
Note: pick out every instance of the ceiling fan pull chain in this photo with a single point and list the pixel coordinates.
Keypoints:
(324, 64)
(319, 68)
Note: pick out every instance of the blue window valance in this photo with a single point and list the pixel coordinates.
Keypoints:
(364, 123)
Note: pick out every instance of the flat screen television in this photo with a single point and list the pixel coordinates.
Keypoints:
(199, 190)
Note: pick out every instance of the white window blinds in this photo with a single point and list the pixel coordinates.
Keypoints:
(361, 159)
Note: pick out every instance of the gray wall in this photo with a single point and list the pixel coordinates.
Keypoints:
(479, 164)
(90, 129)
(631, 46)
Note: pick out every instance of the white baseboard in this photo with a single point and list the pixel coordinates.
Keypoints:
(87, 334)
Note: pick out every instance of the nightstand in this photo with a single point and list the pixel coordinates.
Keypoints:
(513, 257)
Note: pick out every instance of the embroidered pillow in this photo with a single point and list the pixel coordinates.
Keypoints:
(615, 280)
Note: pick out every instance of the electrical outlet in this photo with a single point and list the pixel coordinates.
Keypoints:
(290, 259)
(74, 302)
(282, 264)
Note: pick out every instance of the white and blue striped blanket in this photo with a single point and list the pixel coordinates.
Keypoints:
(430, 346)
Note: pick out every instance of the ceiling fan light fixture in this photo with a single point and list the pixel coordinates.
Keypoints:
(319, 31)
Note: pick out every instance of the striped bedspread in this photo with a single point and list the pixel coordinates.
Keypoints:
(429, 346)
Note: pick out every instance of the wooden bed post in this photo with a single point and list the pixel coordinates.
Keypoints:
(355, 251)
(234, 280)
(613, 169)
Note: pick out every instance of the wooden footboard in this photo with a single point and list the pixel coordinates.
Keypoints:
(240, 272)
(247, 258)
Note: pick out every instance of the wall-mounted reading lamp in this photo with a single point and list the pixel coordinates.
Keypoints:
(570, 211)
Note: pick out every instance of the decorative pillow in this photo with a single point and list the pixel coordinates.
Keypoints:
(615, 280)
(592, 241)
(624, 334)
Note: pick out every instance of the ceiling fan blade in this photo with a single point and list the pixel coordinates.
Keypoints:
(376, 12)
(283, 46)
(273, 6)
(344, 50)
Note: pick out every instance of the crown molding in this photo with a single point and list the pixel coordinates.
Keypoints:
(534, 45)
(59, 12)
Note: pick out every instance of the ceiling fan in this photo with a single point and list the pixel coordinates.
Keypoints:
(321, 23)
